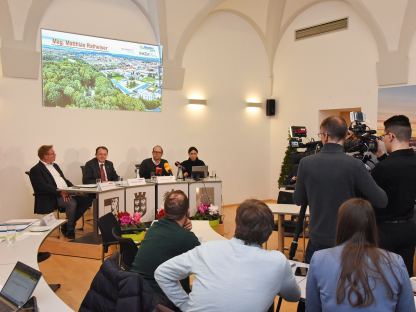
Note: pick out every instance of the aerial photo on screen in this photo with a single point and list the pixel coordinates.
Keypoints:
(96, 73)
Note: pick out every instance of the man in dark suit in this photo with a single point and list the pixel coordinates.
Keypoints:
(46, 178)
(155, 165)
(99, 168)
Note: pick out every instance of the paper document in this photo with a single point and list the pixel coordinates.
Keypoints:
(18, 224)
(86, 185)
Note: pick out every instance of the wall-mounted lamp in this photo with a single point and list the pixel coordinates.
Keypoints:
(254, 105)
(197, 102)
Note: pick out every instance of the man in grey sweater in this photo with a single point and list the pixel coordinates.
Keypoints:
(329, 178)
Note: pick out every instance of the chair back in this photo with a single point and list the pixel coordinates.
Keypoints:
(285, 198)
(106, 223)
(128, 249)
(82, 171)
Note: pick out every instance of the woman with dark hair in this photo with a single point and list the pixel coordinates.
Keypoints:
(356, 274)
(193, 160)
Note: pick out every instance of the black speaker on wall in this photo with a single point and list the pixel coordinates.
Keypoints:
(270, 107)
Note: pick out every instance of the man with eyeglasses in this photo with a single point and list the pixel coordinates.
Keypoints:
(327, 179)
(46, 178)
(396, 174)
(155, 166)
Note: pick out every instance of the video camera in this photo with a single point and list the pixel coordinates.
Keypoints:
(363, 139)
(296, 135)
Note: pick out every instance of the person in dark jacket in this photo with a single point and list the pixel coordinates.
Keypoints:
(46, 178)
(396, 174)
(99, 168)
(113, 289)
(193, 160)
(156, 165)
(329, 178)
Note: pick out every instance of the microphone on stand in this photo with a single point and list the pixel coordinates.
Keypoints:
(178, 164)
(181, 169)
(168, 168)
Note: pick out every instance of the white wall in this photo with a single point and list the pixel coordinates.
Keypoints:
(226, 63)
(225, 60)
(330, 71)
(412, 61)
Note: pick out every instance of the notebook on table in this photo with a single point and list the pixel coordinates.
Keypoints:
(19, 287)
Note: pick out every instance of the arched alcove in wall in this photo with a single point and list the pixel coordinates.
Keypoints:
(111, 20)
(357, 7)
(329, 71)
(237, 70)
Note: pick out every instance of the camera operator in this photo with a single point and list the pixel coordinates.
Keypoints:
(396, 174)
(329, 178)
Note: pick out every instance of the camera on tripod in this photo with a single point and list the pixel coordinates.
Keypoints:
(363, 139)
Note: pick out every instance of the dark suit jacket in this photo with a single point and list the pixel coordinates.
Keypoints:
(91, 171)
(45, 188)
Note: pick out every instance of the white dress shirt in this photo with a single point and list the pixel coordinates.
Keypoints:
(229, 276)
(60, 182)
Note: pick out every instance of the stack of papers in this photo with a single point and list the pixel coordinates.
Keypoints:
(18, 224)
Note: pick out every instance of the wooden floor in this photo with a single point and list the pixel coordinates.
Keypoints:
(76, 272)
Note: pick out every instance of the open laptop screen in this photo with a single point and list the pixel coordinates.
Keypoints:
(20, 284)
(199, 172)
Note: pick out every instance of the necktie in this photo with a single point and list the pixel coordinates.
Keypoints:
(102, 173)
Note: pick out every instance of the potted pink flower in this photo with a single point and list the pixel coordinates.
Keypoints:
(131, 225)
(208, 212)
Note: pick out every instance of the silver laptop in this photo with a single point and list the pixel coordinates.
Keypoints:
(18, 287)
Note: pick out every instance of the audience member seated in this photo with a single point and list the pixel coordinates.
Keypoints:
(99, 168)
(155, 165)
(113, 289)
(193, 160)
(356, 275)
(46, 178)
(232, 275)
(167, 238)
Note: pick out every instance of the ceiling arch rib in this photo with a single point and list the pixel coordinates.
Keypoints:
(38, 10)
(408, 28)
(149, 19)
(190, 30)
(6, 26)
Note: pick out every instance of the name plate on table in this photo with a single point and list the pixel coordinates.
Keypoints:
(48, 220)
(137, 181)
(103, 186)
(165, 179)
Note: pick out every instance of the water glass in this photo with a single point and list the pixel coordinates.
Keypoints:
(97, 181)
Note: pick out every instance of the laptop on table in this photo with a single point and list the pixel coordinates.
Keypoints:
(199, 172)
(19, 287)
